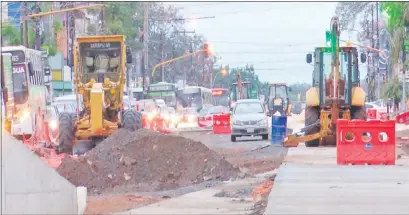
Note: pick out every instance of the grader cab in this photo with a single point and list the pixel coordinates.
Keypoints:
(99, 78)
(335, 92)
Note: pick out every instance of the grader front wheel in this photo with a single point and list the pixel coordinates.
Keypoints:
(65, 133)
(131, 120)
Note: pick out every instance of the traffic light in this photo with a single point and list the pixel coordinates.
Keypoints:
(207, 50)
(328, 38)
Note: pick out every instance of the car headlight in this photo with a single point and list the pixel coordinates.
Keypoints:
(262, 122)
(174, 118)
(53, 124)
(191, 117)
(26, 114)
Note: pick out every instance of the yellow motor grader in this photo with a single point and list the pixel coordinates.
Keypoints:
(99, 79)
(335, 92)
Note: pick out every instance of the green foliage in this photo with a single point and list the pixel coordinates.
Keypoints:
(10, 34)
(57, 25)
(120, 19)
(393, 89)
(395, 11)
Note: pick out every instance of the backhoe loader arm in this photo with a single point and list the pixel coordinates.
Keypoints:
(294, 139)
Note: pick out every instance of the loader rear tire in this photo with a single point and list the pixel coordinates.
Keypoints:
(65, 133)
(131, 120)
(358, 113)
(312, 114)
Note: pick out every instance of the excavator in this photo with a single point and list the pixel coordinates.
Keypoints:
(278, 99)
(335, 92)
(99, 71)
(241, 90)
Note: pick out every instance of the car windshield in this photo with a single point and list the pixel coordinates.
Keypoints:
(65, 107)
(216, 110)
(248, 107)
(204, 111)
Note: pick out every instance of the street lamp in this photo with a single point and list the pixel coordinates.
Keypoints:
(223, 71)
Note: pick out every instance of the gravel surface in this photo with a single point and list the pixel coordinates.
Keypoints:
(146, 161)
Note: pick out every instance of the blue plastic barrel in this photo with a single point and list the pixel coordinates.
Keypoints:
(278, 129)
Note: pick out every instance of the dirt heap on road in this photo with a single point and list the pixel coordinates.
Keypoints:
(146, 161)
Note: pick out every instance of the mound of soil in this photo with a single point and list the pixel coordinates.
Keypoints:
(146, 161)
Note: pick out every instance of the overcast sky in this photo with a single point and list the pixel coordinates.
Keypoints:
(273, 36)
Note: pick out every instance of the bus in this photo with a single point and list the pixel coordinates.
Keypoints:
(165, 91)
(198, 97)
(7, 101)
(29, 91)
(220, 97)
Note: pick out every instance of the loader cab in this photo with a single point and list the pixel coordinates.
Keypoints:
(278, 99)
(348, 76)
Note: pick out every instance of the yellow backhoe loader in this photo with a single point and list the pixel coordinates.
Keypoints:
(99, 79)
(278, 99)
(335, 92)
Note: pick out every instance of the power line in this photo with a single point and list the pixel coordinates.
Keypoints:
(261, 43)
(202, 4)
(265, 52)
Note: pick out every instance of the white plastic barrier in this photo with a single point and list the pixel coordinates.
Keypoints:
(30, 186)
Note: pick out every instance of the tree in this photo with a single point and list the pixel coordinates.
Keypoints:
(398, 13)
(351, 12)
(123, 18)
(10, 35)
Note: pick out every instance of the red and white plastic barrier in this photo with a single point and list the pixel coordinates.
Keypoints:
(365, 142)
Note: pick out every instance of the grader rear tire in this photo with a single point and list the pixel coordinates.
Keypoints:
(312, 114)
(131, 120)
(65, 133)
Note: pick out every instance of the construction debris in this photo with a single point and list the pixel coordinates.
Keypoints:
(146, 161)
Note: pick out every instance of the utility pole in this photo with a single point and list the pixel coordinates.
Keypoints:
(377, 53)
(102, 19)
(183, 67)
(372, 69)
(37, 9)
(145, 31)
(25, 5)
(162, 41)
(22, 11)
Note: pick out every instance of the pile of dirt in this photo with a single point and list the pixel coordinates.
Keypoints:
(146, 161)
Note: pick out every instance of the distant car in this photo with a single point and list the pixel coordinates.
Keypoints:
(189, 115)
(297, 107)
(206, 115)
(249, 119)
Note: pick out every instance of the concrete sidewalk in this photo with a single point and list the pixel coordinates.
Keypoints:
(310, 182)
(204, 201)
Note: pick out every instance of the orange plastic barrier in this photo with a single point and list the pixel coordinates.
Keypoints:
(402, 118)
(221, 124)
(365, 142)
